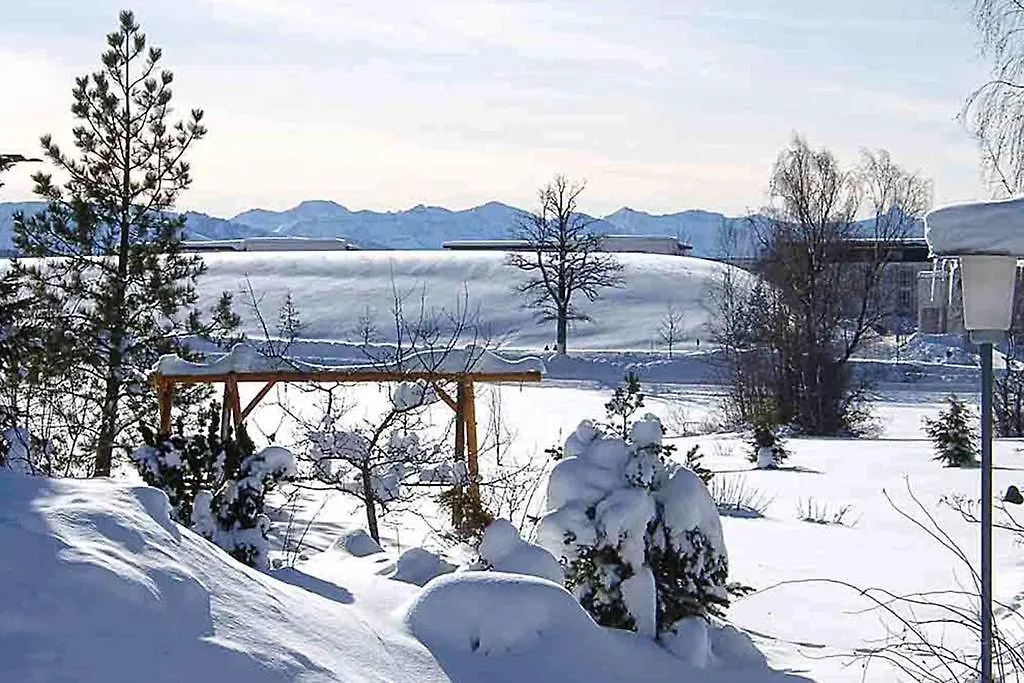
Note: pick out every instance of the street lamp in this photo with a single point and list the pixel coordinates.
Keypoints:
(986, 238)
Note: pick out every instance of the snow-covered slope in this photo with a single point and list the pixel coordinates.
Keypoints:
(333, 290)
(98, 586)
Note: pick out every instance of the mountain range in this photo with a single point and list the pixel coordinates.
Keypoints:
(424, 227)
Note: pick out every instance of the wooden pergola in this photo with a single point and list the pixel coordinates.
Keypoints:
(435, 368)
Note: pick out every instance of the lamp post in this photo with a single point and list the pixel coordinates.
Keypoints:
(988, 309)
(987, 238)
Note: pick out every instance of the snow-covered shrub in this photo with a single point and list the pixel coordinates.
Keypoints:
(953, 434)
(217, 487)
(767, 445)
(639, 535)
(503, 550)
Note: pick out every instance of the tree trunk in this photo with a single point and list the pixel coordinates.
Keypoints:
(115, 357)
(562, 333)
(371, 506)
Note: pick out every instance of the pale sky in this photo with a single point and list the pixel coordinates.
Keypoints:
(662, 105)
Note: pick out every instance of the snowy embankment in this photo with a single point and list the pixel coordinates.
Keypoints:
(97, 585)
(336, 292)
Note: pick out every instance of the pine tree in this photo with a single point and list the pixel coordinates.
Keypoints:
(121, 287)
(953, 434)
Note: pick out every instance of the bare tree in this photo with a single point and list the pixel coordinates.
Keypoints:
(670, 327)
(994, 112)
(564, 260)
(824, 290)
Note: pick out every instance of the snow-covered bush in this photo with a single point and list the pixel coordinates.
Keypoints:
(767, 445)
(638, 535)
(953, 434)
(503, 550)
(215, 486)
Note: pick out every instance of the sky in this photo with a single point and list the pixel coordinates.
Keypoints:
(660, 105)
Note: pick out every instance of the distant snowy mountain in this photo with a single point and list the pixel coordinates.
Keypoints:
(704, 230)
(428, 227)
(421, 227)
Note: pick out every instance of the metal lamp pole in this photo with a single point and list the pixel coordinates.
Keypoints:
(985, 340)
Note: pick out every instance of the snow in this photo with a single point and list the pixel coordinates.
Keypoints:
(357, 543)
(409, 395)
(499, 614)
(336, 290)
(245, 358)
(504, 551)
(686, 504)
(513, 628)
(98, 586)
(991, 227)
(418, 566)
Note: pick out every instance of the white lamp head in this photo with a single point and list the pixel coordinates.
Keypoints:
(988, 291)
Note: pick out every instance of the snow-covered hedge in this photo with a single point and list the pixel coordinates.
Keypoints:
(215, 486)
(638, 535)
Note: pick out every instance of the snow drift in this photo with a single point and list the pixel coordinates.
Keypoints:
(97, 585)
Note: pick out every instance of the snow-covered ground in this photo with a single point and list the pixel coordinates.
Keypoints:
(97, 585)
(335, 291)
(811, 628)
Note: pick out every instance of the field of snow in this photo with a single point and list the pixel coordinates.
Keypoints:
(335, 291)
(809, 628)
(78, 554)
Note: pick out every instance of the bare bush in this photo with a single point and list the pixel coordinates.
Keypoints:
(736, 498)
(821, 512)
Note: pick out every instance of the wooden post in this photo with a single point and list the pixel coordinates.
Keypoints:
(236, 405)
(460, 451)
(165, 399)
(469, 416)
(225, 412)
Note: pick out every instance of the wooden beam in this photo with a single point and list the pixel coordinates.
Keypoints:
(341, 375)
(165, 400)
(444, 395)
(469, 416)
(257, 398)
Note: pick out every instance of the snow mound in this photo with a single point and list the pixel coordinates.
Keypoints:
(504, 551)
(418, 566)
(507, 628)
(498, 614)
(357, 542)
(98, 586)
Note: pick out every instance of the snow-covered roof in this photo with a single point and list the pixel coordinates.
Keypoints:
(243, 359)
(993, 228)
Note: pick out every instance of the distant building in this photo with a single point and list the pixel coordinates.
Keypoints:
(921, 298)
(271, 244)
(637, 244)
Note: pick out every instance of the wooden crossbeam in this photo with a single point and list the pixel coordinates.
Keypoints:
(256, 399)
(347, 376)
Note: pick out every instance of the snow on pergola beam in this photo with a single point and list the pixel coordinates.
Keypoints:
(243, 363)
